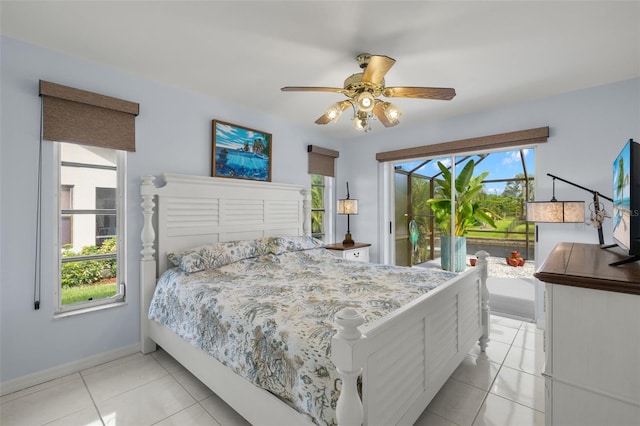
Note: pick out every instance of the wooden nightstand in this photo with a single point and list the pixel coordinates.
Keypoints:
(356, 251)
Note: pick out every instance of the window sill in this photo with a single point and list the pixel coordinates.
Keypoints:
(87, 310)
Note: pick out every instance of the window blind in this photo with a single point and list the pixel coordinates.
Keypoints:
(499, 141)
(77, 116)
(322, 160)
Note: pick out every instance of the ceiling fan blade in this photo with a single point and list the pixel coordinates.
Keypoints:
(377, 68)
(378, 111)
(312, 89)
(441, 93)
(333, 112)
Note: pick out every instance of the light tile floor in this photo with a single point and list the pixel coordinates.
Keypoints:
(502, 387)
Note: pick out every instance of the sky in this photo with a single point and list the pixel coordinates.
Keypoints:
(500, 165)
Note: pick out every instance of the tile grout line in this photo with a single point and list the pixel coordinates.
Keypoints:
(486, 395)
(196, 401)
(91, 397)
(123, 392)
(524, 329)
(490, 386)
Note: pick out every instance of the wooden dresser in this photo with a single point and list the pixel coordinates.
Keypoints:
(592, 340)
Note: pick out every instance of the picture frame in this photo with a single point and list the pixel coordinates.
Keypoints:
(240, 152)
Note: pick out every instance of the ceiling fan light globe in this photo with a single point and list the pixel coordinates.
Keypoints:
(365, 101)
(334, 112)
(392, 112)
(359, 123)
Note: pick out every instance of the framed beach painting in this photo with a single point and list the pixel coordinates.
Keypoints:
(240, 152)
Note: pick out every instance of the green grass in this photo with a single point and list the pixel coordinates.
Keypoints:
(500, 231)
(86, 292)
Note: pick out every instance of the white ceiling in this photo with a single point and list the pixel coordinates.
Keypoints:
(492, 52)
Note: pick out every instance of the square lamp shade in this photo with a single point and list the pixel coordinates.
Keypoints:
(556, 211)
(348, 206)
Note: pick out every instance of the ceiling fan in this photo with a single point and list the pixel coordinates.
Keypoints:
(363, 90)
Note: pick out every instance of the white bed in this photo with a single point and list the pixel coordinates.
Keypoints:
(423, 341)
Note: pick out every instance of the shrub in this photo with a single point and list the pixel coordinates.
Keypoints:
(88, 271)
(80, 273)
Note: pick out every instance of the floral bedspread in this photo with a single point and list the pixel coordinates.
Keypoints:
(270, 318)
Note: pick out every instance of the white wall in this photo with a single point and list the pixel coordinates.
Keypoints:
(173, 134)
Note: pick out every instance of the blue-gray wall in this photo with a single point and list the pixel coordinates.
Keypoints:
(173, 134)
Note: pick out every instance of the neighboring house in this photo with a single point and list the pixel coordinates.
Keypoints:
(89, 189)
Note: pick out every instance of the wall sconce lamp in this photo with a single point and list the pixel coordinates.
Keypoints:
(555, 211)
(348, 206)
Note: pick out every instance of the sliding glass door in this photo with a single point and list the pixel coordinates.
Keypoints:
(448, 208)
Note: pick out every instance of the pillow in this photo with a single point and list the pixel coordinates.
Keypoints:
(217, 254)
(220, 254)
(281, 245)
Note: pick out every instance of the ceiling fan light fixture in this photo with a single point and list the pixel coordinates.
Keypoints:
(392, 112)
(361, 121)
(365, 101)
(334, 112)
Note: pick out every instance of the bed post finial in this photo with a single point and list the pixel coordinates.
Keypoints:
(484, 307)
(349, 410)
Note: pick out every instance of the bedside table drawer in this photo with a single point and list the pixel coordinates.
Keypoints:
(361, 254)
(355, 251)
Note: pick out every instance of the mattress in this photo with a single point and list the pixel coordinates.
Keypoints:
(270, 317)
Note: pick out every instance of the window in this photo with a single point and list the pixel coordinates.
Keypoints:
(91, 214)
(493, 217)
(317, 206)
(322, 207)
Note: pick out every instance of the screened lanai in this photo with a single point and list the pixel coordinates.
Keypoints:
(506, 190)
(507, 183)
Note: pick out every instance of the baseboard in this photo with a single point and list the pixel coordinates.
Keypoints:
(58, 371)
(513, 317)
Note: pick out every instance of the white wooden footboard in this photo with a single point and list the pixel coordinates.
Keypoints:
(405, 358)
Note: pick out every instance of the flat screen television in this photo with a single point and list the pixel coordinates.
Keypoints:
(626, 201)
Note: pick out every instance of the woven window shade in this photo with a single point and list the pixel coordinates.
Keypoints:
(78, 116)
(498, 141)
(322, 161)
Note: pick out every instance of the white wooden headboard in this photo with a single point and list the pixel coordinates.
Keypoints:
(196, 210)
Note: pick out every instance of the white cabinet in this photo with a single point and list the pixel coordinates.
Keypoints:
(592, 338)
(356, 251)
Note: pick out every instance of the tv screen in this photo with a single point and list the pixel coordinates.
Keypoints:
(626, 198)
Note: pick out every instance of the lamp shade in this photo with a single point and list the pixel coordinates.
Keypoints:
(556, 211)
(348, 206)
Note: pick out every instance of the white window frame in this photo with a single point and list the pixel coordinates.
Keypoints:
(119, 298)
